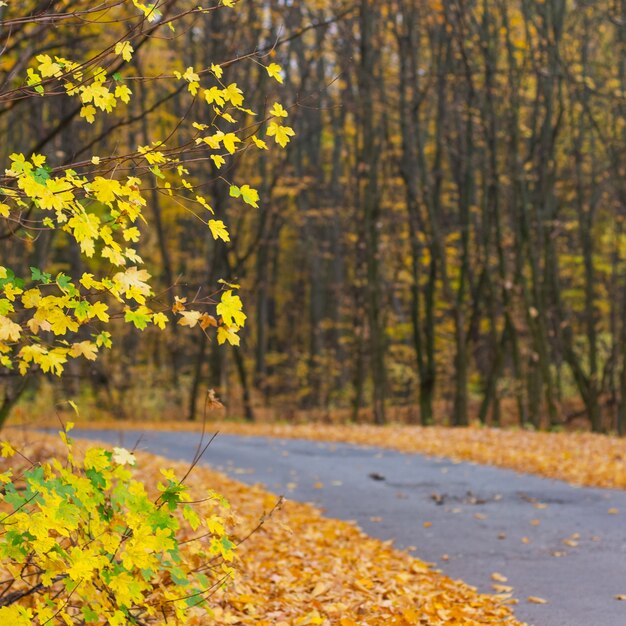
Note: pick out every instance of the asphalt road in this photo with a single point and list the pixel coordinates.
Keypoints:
(551, 540)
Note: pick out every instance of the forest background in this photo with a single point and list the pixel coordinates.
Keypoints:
(445, 239)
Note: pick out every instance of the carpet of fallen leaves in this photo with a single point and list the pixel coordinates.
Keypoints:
(299, 568)
(579, 458)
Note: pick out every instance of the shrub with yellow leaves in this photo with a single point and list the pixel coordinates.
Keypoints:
(83, 542)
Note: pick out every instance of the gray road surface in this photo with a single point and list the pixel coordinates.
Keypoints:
(483, 519)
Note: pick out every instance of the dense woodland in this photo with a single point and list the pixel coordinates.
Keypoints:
(444, 241)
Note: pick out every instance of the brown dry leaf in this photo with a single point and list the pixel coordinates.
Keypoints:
(427, 524)
(613, 511)
(499, 578)
(376, 519)
(535, 522)
(318, 485)
(621, 596)
(502, 588)
(207, 320)
(536, 600)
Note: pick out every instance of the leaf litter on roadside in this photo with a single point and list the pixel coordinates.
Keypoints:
(301, 569)
(579, 458)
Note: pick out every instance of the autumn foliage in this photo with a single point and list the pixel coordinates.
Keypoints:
(97, 202)
(83, 541)
(447, 235)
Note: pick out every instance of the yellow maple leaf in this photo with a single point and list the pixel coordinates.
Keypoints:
(6, 450)
(259, 143)
(160, 320)
(274, 70)
(280, 133)
(123, 93)
(31, 298)
(190, 75)
(230, 308)
(9, 330)
(218, 160)
(123, 457)
(89, 113)
(132, 284)
(47, 67)
(189, 318)
(214, 94)
(99, 310)
(278, 110)
(218, 230)
(125, 50)
(230, 141)
(53, 361)
(228, 334)
(84, 348)
(233, 94)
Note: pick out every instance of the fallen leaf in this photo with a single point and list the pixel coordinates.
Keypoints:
(241, 470)
(500, 578)
(321, 588)
(536, 600)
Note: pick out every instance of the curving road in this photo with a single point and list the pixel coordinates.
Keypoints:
(551, 540)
